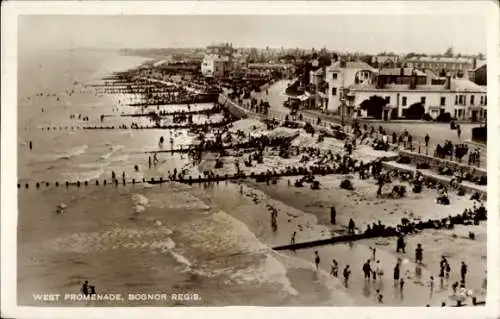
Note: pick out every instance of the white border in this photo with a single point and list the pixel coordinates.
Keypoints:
(10, 11)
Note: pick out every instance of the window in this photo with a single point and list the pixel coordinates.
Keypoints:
(456, 99)
(456, 113)
(388, 99)
(334, 76)
(481, 100)
(403, 101)
(472, 100)
(443, 101)
(422, 100)
(334, 91)
(485, 97)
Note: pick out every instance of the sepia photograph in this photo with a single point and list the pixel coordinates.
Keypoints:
(245, 159)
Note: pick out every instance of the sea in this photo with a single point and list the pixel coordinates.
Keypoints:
(209, 243)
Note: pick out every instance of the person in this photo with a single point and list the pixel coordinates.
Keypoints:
(149, 161)
(379, 271)
(442, 267)
(374, 251)
(400, 244)
(401, 285)
(334, 268)
(346, 273)
(317, 259)
(333, 215)
(463, 272)
(85, 288)
(448, 270)
(380, 297)
(92, 290)
(380, 183)
(454, 287)
(459, 131)
(396, 273)
(351, 227)
(292, 241)
(367, 269)
(31, 145)
(431, 286)
(419, 254)
(427, 139)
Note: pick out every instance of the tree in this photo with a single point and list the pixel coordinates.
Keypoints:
(449, 52)
(374, 106)
(480, 56)
(324, 60)
(415, 111)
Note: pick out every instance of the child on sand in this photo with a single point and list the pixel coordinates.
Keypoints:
(317, 260)
(347, 273)
(334, 268)
(380, 297)
(431, 287)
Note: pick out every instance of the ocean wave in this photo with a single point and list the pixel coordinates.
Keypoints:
(181, 259)
(141, 202)
(269, 270)
(228, 244)
(74, 177)
(113, 148)
(119, 158)
(76, 151)
(117, 238)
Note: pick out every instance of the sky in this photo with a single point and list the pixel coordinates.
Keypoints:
(363, 33)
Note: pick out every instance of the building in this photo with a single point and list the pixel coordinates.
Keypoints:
(217, 61)
(385, 60)
(461, 98)
(339, 76)
(208, 65)
(478, 75)
(457, 67)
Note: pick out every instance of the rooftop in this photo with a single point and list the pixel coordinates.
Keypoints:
(351, 65)
(397, 71)
(439, 59)
(457, 85)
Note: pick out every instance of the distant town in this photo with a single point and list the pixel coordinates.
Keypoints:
(413, 85)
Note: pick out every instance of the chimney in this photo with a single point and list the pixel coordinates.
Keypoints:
(413, 81)
(448, 82)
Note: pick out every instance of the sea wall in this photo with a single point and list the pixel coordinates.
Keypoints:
(435, 163)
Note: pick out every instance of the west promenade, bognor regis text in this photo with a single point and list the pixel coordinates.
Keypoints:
(117, 297)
